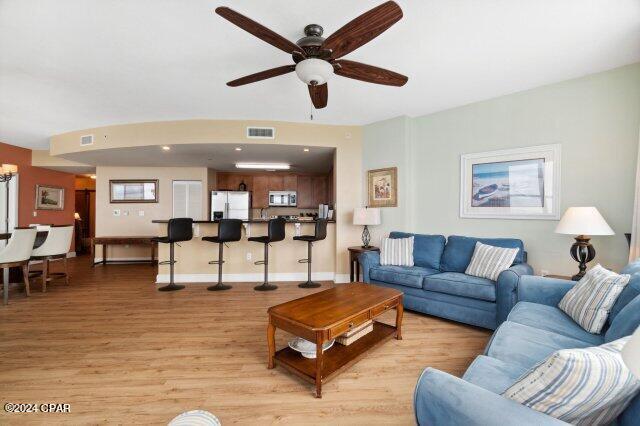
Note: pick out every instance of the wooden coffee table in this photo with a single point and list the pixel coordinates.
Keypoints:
(326, 315)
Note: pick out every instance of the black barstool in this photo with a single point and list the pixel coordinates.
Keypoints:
(228, 230)
(320, 234)
(179, 229)
(276, 233)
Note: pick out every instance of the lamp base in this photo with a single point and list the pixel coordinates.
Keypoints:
(582, 252)
(366, 237)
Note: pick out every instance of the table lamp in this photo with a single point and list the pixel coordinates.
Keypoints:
(366, 216)
(583, 221)
(631, 353)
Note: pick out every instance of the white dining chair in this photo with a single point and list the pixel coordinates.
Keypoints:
(55, 247)
(17, 253)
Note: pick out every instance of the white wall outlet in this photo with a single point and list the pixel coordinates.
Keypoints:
(35, 214)
(140, 213)
(116, 212)
(248, 256)
(125, 213)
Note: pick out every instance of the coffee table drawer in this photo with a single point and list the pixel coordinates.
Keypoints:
(348, 325)
(383, 307)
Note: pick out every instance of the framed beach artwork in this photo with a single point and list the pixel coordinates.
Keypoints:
(49, 197)
(521, 183)
(383, 187)
(133, 191)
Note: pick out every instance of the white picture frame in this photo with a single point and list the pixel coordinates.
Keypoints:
(520, 183)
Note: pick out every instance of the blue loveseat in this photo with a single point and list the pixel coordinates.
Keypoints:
(437, 284)
(534, 329)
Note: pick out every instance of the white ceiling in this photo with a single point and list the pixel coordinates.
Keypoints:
(222, 157)
(73, 64)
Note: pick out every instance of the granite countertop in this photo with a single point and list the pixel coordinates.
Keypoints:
(247, 221)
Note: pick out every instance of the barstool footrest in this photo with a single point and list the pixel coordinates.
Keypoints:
(167, 262)
(259, 262)
(216, 262)
(303, 261)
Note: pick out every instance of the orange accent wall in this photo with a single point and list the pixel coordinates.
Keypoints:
(29, 177)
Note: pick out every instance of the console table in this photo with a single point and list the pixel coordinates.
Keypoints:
(133, 241)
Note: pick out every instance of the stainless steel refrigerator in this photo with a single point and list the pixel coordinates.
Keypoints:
(230, 205)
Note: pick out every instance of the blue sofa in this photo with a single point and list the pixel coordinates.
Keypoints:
(437, 284)
(534, 329)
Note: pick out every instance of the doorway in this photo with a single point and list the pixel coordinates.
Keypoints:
(85, 209)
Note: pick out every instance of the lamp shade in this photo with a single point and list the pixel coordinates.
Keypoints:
(9, 168)
(365, 216)
(631, 353)
(583, 221)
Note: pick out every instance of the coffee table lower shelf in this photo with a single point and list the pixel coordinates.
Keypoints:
(337, 357)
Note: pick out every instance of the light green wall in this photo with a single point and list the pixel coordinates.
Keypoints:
(595, 118)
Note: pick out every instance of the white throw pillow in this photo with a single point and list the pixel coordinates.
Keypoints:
(396, 251)
(589, 386)
(589, 301)
(488, 261)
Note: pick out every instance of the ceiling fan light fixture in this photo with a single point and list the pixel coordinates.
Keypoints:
(314, 71)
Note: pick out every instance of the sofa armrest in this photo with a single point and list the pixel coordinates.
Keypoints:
(546, 291)
(507, 288)
(368, 259)
(441, 398)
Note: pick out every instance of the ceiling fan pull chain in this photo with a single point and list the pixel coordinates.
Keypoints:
(311, 112)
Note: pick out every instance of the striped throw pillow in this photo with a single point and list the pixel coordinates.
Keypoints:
(488, 261)
(396, 251)
(589, 301)
(589, 386)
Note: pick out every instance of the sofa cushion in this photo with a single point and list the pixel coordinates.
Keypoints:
(493, 374)
(585, 386)
(525, 346)
(410, 276)
(591, 299)
(630, 292)
(459, 250)
(427, 249)
(552, 319)
(462, 285)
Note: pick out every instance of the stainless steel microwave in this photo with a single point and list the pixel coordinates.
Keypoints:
(283, 199)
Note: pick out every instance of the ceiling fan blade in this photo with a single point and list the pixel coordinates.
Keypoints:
(368, 73)
(258, 30)
(363, 29)
(319, 95)
(262, 75)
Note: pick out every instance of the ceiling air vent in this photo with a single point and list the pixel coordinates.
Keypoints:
(261, 133)
(86, 140)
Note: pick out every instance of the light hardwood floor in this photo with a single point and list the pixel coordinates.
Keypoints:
(121, 352)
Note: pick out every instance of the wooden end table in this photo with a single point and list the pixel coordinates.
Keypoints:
(326, 315)
(135, 240)
(354, 265)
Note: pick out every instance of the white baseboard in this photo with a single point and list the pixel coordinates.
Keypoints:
(342, 278)
(251, 277)
(71, 254)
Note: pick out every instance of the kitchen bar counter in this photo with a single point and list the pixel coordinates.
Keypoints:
(247, 221)
(193, 256)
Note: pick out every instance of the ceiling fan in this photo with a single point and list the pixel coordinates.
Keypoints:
(316, 59)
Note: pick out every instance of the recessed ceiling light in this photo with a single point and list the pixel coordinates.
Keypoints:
(306, 150)
(265, 166)
(238, 148)
(92, 176)
(166, 148)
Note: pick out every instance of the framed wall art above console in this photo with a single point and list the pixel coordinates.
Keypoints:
(133, 191)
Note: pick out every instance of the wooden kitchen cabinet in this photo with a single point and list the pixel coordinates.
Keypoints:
(305, 194)
(319, 188)
(290, 183)
(276, 183)
(260, 195)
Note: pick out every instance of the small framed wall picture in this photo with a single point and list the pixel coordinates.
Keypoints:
(49, 197)
(382, 187)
